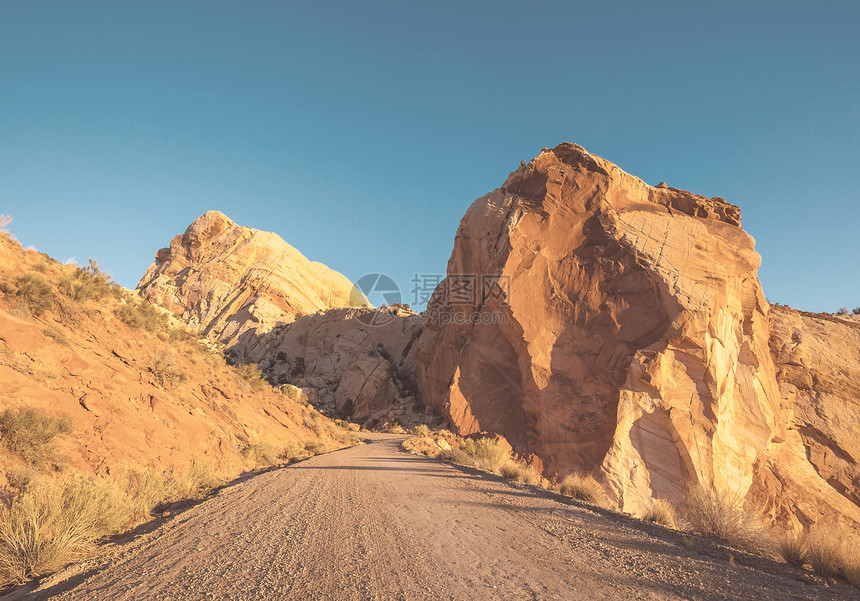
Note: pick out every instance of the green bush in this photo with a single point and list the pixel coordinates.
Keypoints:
(250, 378)
(87, 283)
(141, 314)
(261, 453)
(421, 430)
(31, 292)
(28, 433)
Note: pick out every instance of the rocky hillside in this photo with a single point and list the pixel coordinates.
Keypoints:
(303, 323)
(356, 363)
(225, 280)
(608, 325)
(92, 379)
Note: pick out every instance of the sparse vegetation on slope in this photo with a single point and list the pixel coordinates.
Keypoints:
(102, 380)
(28, 433)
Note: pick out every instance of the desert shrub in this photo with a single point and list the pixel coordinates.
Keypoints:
(293, 393)
(86, 283)
(261, 453)
(720, 514)
(394, 427)
(50, 525)
(315, 422)
(56, 334)
(142, 315)
(421, 430)
(660, 511)
(28, 433)
(426, 445)
(162, 365)
(583, 487)
(293, 451)
(488, 454)
(344, 436)
(32, 293)
(316, 447)
(518, 472)
(250, 378)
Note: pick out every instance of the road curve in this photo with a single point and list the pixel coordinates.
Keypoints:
(372, 522)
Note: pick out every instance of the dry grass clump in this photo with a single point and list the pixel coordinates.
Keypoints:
(196, 483)
(516, 471)
(720, 514)
(49, 526)
(825, 550)
(421, 430)
(28, 433)
(583, 487)
(660, 512)
(57, 335)
(162, 365)
(488, 454)
(793, 548)
(53, 523)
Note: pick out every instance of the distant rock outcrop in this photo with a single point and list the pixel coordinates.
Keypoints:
(228, 281)
(360, 363)
(605, 324)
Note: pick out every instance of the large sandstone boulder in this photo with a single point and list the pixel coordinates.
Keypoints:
(605, 324)
(228, 281)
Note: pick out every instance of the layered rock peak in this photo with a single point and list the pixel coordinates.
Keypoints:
(605, 324)
(230, 281)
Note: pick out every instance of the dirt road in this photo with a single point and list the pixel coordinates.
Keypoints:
(372, 522)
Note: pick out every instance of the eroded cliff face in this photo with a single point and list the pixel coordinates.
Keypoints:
(228, 281)
(818, 369)
(616, 327)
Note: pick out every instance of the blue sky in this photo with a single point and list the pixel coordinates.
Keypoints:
(122, 122)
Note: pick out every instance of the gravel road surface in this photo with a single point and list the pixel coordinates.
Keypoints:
(372, 522)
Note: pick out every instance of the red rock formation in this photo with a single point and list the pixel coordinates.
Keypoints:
(617, 327)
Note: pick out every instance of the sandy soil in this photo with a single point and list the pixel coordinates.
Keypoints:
(372, 522)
